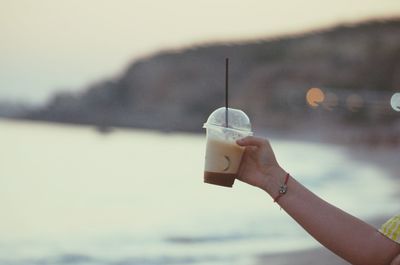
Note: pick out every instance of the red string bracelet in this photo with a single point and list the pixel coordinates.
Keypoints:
(282, 189)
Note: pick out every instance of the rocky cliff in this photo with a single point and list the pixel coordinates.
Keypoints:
(176, 90)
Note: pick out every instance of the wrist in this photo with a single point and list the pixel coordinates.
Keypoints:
(273, 181)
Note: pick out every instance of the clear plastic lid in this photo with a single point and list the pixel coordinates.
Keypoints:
(237, 119)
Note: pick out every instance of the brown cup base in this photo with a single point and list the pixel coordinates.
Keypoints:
(221, 179)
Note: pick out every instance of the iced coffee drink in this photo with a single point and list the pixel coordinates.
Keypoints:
(223, 155)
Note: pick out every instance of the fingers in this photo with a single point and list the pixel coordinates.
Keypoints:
(252, 141)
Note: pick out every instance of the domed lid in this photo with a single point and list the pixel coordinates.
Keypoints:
(237, 119)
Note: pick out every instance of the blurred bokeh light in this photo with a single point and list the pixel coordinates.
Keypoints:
(354, 102)
(315, 96)
(395, 101)
(331, 101)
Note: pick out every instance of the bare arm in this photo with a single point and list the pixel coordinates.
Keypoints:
(396, 261)
(342, 233)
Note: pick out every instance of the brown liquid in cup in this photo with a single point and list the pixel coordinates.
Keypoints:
(221, 179)
(222, 162)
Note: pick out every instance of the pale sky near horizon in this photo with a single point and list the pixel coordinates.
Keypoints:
(50, 45)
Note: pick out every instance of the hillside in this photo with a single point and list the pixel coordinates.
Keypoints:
(176, 90)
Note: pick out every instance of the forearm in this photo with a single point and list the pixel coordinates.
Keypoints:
(343, 234)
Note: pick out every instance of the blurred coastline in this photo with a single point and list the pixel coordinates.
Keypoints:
(357, 66)
(172, 92)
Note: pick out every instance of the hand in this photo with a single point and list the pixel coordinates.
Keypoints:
(258, 164)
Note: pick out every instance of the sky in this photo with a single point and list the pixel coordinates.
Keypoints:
(52, 45)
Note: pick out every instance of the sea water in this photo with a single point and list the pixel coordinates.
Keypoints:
(72, 195)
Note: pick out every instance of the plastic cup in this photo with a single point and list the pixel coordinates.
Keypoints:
(223, 155)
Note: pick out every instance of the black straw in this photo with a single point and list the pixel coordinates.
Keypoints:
(226, 91)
